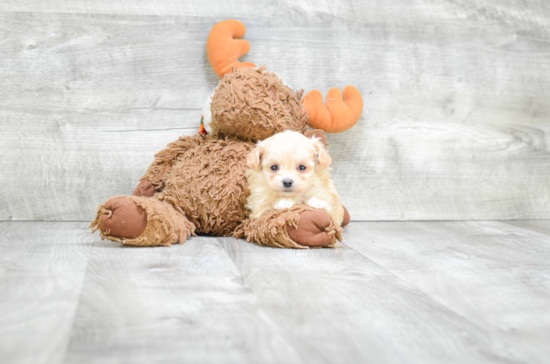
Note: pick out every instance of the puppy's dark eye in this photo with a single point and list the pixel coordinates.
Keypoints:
(274, 167)
(302, 167)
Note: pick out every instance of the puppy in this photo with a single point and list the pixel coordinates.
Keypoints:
(290, 169)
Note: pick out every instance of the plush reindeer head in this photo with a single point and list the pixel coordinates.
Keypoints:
(253, 104)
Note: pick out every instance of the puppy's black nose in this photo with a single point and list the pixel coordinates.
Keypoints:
(287, 183)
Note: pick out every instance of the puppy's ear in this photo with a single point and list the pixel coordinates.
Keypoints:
(321, 154)
(316, 133)
(254, 158)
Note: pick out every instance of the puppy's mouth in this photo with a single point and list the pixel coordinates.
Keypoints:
(288, 192)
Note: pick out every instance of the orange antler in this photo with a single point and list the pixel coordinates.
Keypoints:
(224, 48)
(335, 115)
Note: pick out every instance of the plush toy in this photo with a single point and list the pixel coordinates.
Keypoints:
(198, 184)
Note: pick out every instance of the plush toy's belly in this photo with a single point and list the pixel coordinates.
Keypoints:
(208, 183)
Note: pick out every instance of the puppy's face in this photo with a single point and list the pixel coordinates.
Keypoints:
(287, 161)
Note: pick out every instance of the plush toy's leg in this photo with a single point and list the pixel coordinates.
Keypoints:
(144, 189)
(298, 227)
(347, 218)
(141, 221)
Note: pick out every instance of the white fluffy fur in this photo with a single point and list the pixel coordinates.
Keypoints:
(207, 112)
(313, 186)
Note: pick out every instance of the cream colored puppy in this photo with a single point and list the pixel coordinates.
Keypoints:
(290, 169)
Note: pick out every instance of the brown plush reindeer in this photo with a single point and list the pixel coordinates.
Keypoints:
(198, 184)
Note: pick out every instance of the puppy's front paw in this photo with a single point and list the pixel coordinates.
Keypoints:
(284, 203)
(317, 203)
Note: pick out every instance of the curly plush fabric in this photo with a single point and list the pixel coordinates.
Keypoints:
(202, 188)
(164, 225)
(164, 161)
(198, 184)
(145, 189)
(207, 183)
(252, 104)
(272, 228)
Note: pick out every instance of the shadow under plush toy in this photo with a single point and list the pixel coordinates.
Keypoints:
(198, 184)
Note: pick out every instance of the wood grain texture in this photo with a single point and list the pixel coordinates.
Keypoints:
(456, 118)
(185, 304)
(341, 307)
(493, 274)
(407, 292)
(541, 226)
(42, 267)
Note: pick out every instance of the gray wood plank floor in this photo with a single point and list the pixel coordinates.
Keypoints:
(407, 292)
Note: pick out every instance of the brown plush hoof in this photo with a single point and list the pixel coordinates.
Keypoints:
(347, 218)
(311, 229)
(144, 189)
(124, 219)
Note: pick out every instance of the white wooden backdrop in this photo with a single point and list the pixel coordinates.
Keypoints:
(457, 98)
